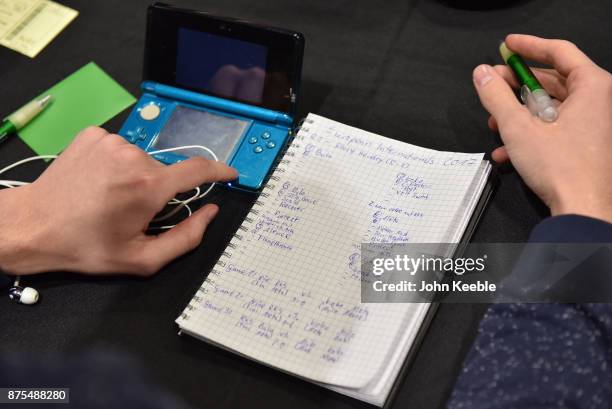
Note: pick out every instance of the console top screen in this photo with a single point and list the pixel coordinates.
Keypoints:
(226, 58)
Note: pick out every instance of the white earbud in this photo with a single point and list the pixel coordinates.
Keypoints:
(23, 295)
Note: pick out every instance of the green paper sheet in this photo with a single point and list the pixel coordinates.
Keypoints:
(87, 97)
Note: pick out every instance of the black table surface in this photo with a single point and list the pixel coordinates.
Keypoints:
(399, 68)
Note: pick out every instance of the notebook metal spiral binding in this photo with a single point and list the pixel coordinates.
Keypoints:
(249, 220)
(266, 191)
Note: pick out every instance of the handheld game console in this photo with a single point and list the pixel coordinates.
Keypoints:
(225, 84)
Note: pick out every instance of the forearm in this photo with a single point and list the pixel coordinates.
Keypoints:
(25, 248)
(12, 245)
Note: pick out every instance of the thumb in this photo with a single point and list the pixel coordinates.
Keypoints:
(497, 97)
(181, 239)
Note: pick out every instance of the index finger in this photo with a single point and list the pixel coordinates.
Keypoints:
(561, 54)
(193, 172)
(550, 79)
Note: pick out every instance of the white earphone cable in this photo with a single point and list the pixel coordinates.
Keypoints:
(182, 203)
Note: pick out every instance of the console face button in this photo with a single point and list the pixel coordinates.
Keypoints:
(252, 140)
(265, 135)
(150, 112)
(271, 145)
(258, 149)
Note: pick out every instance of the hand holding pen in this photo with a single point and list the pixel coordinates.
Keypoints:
(568, 161)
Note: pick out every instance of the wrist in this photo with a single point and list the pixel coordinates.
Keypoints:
(583, 205)
(24, 244)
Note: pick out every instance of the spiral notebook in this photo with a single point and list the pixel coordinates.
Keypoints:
(286, 291)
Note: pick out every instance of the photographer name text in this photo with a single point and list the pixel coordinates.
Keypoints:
(426, 286)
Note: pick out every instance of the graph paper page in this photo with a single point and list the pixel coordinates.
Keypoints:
(287, 290)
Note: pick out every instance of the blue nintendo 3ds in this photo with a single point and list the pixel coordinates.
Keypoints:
(228, 85)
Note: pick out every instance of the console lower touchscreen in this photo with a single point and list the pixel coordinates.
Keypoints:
(187, 126)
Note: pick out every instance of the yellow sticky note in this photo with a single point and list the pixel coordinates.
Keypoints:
(27, 26)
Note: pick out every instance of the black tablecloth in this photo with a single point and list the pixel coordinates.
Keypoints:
(398, 68)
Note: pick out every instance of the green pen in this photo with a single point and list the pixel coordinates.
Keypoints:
(533, 94)
(20, 118)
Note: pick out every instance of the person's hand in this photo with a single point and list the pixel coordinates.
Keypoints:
(88, 212)
(567, 163)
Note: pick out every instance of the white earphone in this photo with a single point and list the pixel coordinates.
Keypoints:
(29, 295)
(23, 295)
